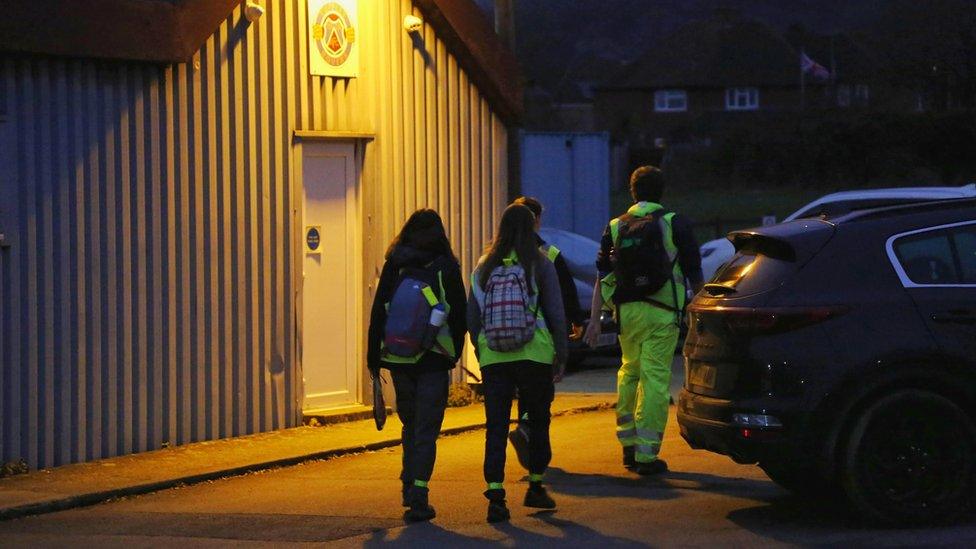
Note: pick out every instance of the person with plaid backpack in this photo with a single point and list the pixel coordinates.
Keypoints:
(518, 327)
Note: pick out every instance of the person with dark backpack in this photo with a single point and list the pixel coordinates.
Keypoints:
(518, 327)
(416, 331)
(645, 256)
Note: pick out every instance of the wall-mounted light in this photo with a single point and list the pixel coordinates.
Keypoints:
(253, 11)
(412, 24)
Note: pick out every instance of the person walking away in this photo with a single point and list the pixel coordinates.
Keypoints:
(519, 436)
(645, 256)
(517, 325)
(416, 331)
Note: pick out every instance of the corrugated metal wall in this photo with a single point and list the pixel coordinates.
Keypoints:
(149, 293)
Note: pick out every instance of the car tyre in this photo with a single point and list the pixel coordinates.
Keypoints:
(802, 480)
(908, 460)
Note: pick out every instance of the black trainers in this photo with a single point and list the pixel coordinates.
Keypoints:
(538, 498)
(655, 467)
(419, 514)
(497, 510)
(519, 437)
(630, 459)
(420, 509)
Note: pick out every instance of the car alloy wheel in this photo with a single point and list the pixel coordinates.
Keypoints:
(909, 460)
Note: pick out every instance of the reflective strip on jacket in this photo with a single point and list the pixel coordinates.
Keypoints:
(551, 252)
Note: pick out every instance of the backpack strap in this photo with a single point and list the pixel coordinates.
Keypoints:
(430, 296)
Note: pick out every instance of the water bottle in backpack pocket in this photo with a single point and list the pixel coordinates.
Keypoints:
(508, 317)
(411, 312)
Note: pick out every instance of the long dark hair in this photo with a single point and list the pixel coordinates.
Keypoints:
(423, 231)
(516, 231)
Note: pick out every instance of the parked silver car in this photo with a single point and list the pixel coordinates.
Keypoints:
(716, 252)
(580, 255)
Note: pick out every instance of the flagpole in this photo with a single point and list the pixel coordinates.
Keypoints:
(803, 82)
(833, 60)
(833, 69)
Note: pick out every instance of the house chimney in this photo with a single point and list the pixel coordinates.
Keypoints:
(505, 22)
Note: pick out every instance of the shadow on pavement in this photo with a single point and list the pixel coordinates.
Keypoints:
(661, 487)
(794, 519)
(424, 534)
(580, 534)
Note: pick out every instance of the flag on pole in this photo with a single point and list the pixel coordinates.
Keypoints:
(814, 69)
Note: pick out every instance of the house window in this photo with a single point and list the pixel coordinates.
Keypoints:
(920, 102)
(741, 99)
(843, 95)
(670, 101)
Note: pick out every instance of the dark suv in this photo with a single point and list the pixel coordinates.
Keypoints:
(840, 354)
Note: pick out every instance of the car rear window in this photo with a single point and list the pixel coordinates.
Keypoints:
(750, 272)
(966, 248)
(941, 256)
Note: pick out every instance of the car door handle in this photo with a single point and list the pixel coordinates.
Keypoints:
(957, 317)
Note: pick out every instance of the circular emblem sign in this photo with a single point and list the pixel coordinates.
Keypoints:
(313, 239)
(334, 34)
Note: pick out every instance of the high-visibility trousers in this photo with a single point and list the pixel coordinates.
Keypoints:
(648, 336)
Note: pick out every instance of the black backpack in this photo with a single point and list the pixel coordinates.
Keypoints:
(643, 265)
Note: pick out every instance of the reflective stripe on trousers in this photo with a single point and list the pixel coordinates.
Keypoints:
(626, 429)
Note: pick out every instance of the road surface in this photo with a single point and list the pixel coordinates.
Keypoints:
(354, 501)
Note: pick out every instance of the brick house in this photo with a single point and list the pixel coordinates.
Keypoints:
(712, 75)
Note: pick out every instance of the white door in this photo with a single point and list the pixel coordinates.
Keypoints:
(328, 294)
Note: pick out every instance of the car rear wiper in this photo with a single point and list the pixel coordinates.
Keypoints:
(718, 289)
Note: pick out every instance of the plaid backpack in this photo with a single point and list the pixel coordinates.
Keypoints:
(507, 315)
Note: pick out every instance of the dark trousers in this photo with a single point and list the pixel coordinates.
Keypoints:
(421, 399)
(536, 391)
(522, 413)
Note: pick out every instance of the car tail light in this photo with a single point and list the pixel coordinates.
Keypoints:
(758, 434)
(748, 321)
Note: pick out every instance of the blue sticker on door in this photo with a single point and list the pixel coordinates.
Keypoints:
(313, 239)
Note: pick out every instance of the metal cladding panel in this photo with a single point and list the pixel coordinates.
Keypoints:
(149, 293)
(591, 184)
(570, 174)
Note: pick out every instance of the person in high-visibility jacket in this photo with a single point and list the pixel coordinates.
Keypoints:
(421, 382)
(519, 436)
(531, 368)
(649, 324)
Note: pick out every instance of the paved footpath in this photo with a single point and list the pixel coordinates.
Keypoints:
(353, 501)
(87, 483)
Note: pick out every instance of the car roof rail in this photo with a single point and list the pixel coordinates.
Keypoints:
(906, 209)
